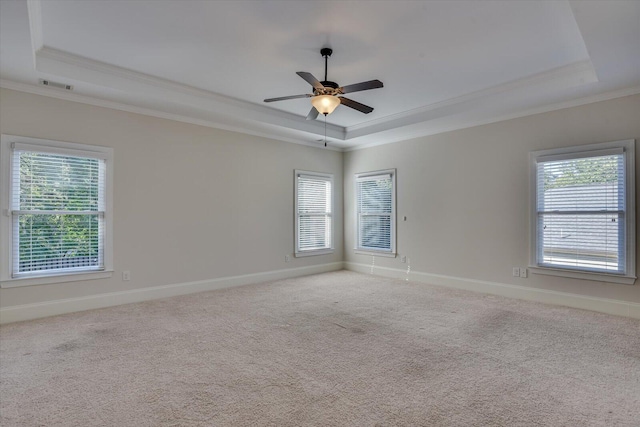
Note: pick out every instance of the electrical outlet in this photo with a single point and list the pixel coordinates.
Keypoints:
(286, 258)
(516, 272)
(403, 259)
(523, 272)
(126, 276)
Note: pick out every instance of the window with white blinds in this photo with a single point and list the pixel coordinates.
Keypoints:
(375, 206)
(314, 210)
(582, 215)
(57, 199)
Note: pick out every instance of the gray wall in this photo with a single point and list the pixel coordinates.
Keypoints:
(190, 203)
(194, 203)
(466, 197)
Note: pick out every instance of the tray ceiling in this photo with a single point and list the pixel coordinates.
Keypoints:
(445, 65)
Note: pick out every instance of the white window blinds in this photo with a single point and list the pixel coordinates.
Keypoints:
(314, 208)
(375, 200)
(581, 210)
(58, 209)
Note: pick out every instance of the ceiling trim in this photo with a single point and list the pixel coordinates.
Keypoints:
(580, 72)
(89, 100)
(67, 65)
(605, 96)
(34, 10)
(64, 64)
(98, 102)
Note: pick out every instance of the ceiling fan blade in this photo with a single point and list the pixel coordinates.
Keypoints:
(283, 98)
(310, 79)
(313, 114)
(357, 87)
(355, 105)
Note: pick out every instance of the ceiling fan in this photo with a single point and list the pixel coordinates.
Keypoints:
(326, 94)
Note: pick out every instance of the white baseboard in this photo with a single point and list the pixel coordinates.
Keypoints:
(603, 305)
(51, 308)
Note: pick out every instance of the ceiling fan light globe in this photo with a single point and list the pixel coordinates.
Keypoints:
(325, 104)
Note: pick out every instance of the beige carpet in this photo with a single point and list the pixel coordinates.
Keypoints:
(341, 349)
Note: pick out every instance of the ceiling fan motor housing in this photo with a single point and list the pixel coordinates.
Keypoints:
(330, 88)
(327, 83)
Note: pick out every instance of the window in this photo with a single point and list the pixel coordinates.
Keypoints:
(376, 212)
(55, 218)
(583, 221)
(314, 209)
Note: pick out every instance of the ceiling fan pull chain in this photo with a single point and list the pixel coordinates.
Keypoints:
(325, 130)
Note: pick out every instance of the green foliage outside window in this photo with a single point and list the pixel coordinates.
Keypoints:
(586, 171)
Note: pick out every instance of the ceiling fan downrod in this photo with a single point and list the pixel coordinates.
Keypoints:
(326, 52)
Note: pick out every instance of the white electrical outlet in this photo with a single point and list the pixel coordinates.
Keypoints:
(523, 272)
(516, 272)
(126, 276)
(286, 258)
(403, 258)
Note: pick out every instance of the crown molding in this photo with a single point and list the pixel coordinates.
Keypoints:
(57, 62)
(98, 102)
(580, 72)
(89, 100)
(67, 65)
(34, 10)
(605, 96)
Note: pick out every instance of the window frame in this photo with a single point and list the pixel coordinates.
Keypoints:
(6, 220)
(312, 252)
(575, 152)
(368, 251)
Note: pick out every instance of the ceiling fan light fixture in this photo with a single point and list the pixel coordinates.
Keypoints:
(325, 104)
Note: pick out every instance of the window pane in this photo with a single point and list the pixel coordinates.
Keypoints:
(53, 182)
(314, 195)
(375, 232)
(314, 232)
(375, 195)
(588, 184)
(585, 241)
(50, 242)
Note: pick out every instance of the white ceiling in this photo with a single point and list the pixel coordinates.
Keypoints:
(445, 64)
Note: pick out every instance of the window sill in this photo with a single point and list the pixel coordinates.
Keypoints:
(598, 277)
(314, 252)
(61, 278)
(375, 253)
